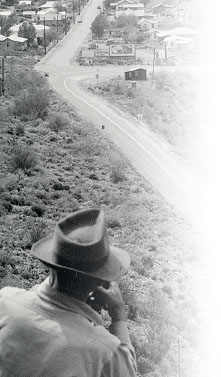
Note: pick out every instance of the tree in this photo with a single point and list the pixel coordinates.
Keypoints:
(50, 35)
(98, 25)
(27, 30)
(125, 21)
(11, 20)
(58, 6)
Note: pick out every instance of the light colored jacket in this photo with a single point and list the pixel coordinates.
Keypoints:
(48, 334)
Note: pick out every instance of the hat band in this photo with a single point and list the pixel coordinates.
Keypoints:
(82, 266)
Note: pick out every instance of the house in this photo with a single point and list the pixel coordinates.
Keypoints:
(51, 4)
(15, 43)
(50, 15)
(128, 8)
(28, 13)
(123, 2)
(24, 2)
(12, 43)
(39, 29)
(48, 4)
(5, 13)
(2, 42)
(175, 42)
(178, 31)
(147, 24)
(163, 10)
(136, 74)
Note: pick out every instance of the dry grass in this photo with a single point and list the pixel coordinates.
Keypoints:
(78, 174)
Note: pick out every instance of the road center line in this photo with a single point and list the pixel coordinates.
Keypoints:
(125, 132)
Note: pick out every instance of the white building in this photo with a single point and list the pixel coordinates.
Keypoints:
(50, 15)
(38, 28)
(128, 8)
(147, 24)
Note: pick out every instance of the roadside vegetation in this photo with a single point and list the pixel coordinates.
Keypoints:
(53, 163)
(170, 107)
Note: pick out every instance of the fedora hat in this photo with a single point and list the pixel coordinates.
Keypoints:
(80, 243)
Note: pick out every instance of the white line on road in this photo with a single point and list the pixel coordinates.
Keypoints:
(125, 132)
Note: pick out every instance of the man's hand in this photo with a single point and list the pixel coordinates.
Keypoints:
(112, 301)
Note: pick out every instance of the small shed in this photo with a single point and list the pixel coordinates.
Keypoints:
(136, 74)
(16, 43)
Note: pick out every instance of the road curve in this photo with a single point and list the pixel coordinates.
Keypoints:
(148, 156)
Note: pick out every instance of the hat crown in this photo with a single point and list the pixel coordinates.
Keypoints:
(81, 240)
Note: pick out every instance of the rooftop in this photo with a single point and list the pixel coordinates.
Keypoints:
(15, 38)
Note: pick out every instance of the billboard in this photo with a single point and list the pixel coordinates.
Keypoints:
(121, 50)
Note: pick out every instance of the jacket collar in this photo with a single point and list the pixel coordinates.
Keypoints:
(47, 293)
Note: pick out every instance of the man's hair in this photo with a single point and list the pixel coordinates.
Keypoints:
(67, 278)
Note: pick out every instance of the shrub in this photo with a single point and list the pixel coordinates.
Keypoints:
(23, 158)
(117, 172)
(168, 290)
(18, 81)
(58, 121)
(39, 209)
(147, 260)
(32, 102)
(144, 366)
(113, 223)
(58, 186)
(6, 258)
(7, 206)
(36, 231)
(17, 200)
(19, 129)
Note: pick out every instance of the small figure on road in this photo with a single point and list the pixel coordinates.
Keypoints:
(53, 330)
(103, 126)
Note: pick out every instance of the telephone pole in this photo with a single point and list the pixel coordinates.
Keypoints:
(44, 38)
(178, 355)
(73, 10)
(154, 57)
(2, 89)
(79, 7)
(65, 20)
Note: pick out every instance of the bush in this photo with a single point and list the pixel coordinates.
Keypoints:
(7, 206)
(19, 129)
(58, 121)
(36, 231)
(117, 172)
(32, 102)
(147, 261)
(23, 158)
(113, 223)
(144, 366)
(38, 209)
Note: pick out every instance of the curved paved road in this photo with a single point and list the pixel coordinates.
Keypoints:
(147, 154)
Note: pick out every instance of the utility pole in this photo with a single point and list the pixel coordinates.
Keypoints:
(154, 57)
(57, 27)
(165, 52)
(2, 90)
(44, 38)
(65, 24)
(73, 10)
(178, 354)
(79, 7)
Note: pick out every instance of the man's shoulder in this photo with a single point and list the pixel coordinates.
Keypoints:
(8, 291)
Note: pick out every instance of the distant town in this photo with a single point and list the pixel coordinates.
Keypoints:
(124, 32)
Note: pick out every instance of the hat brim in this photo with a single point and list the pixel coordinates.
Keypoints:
(115, 266)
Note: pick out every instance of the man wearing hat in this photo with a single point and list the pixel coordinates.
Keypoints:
(53, 330)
